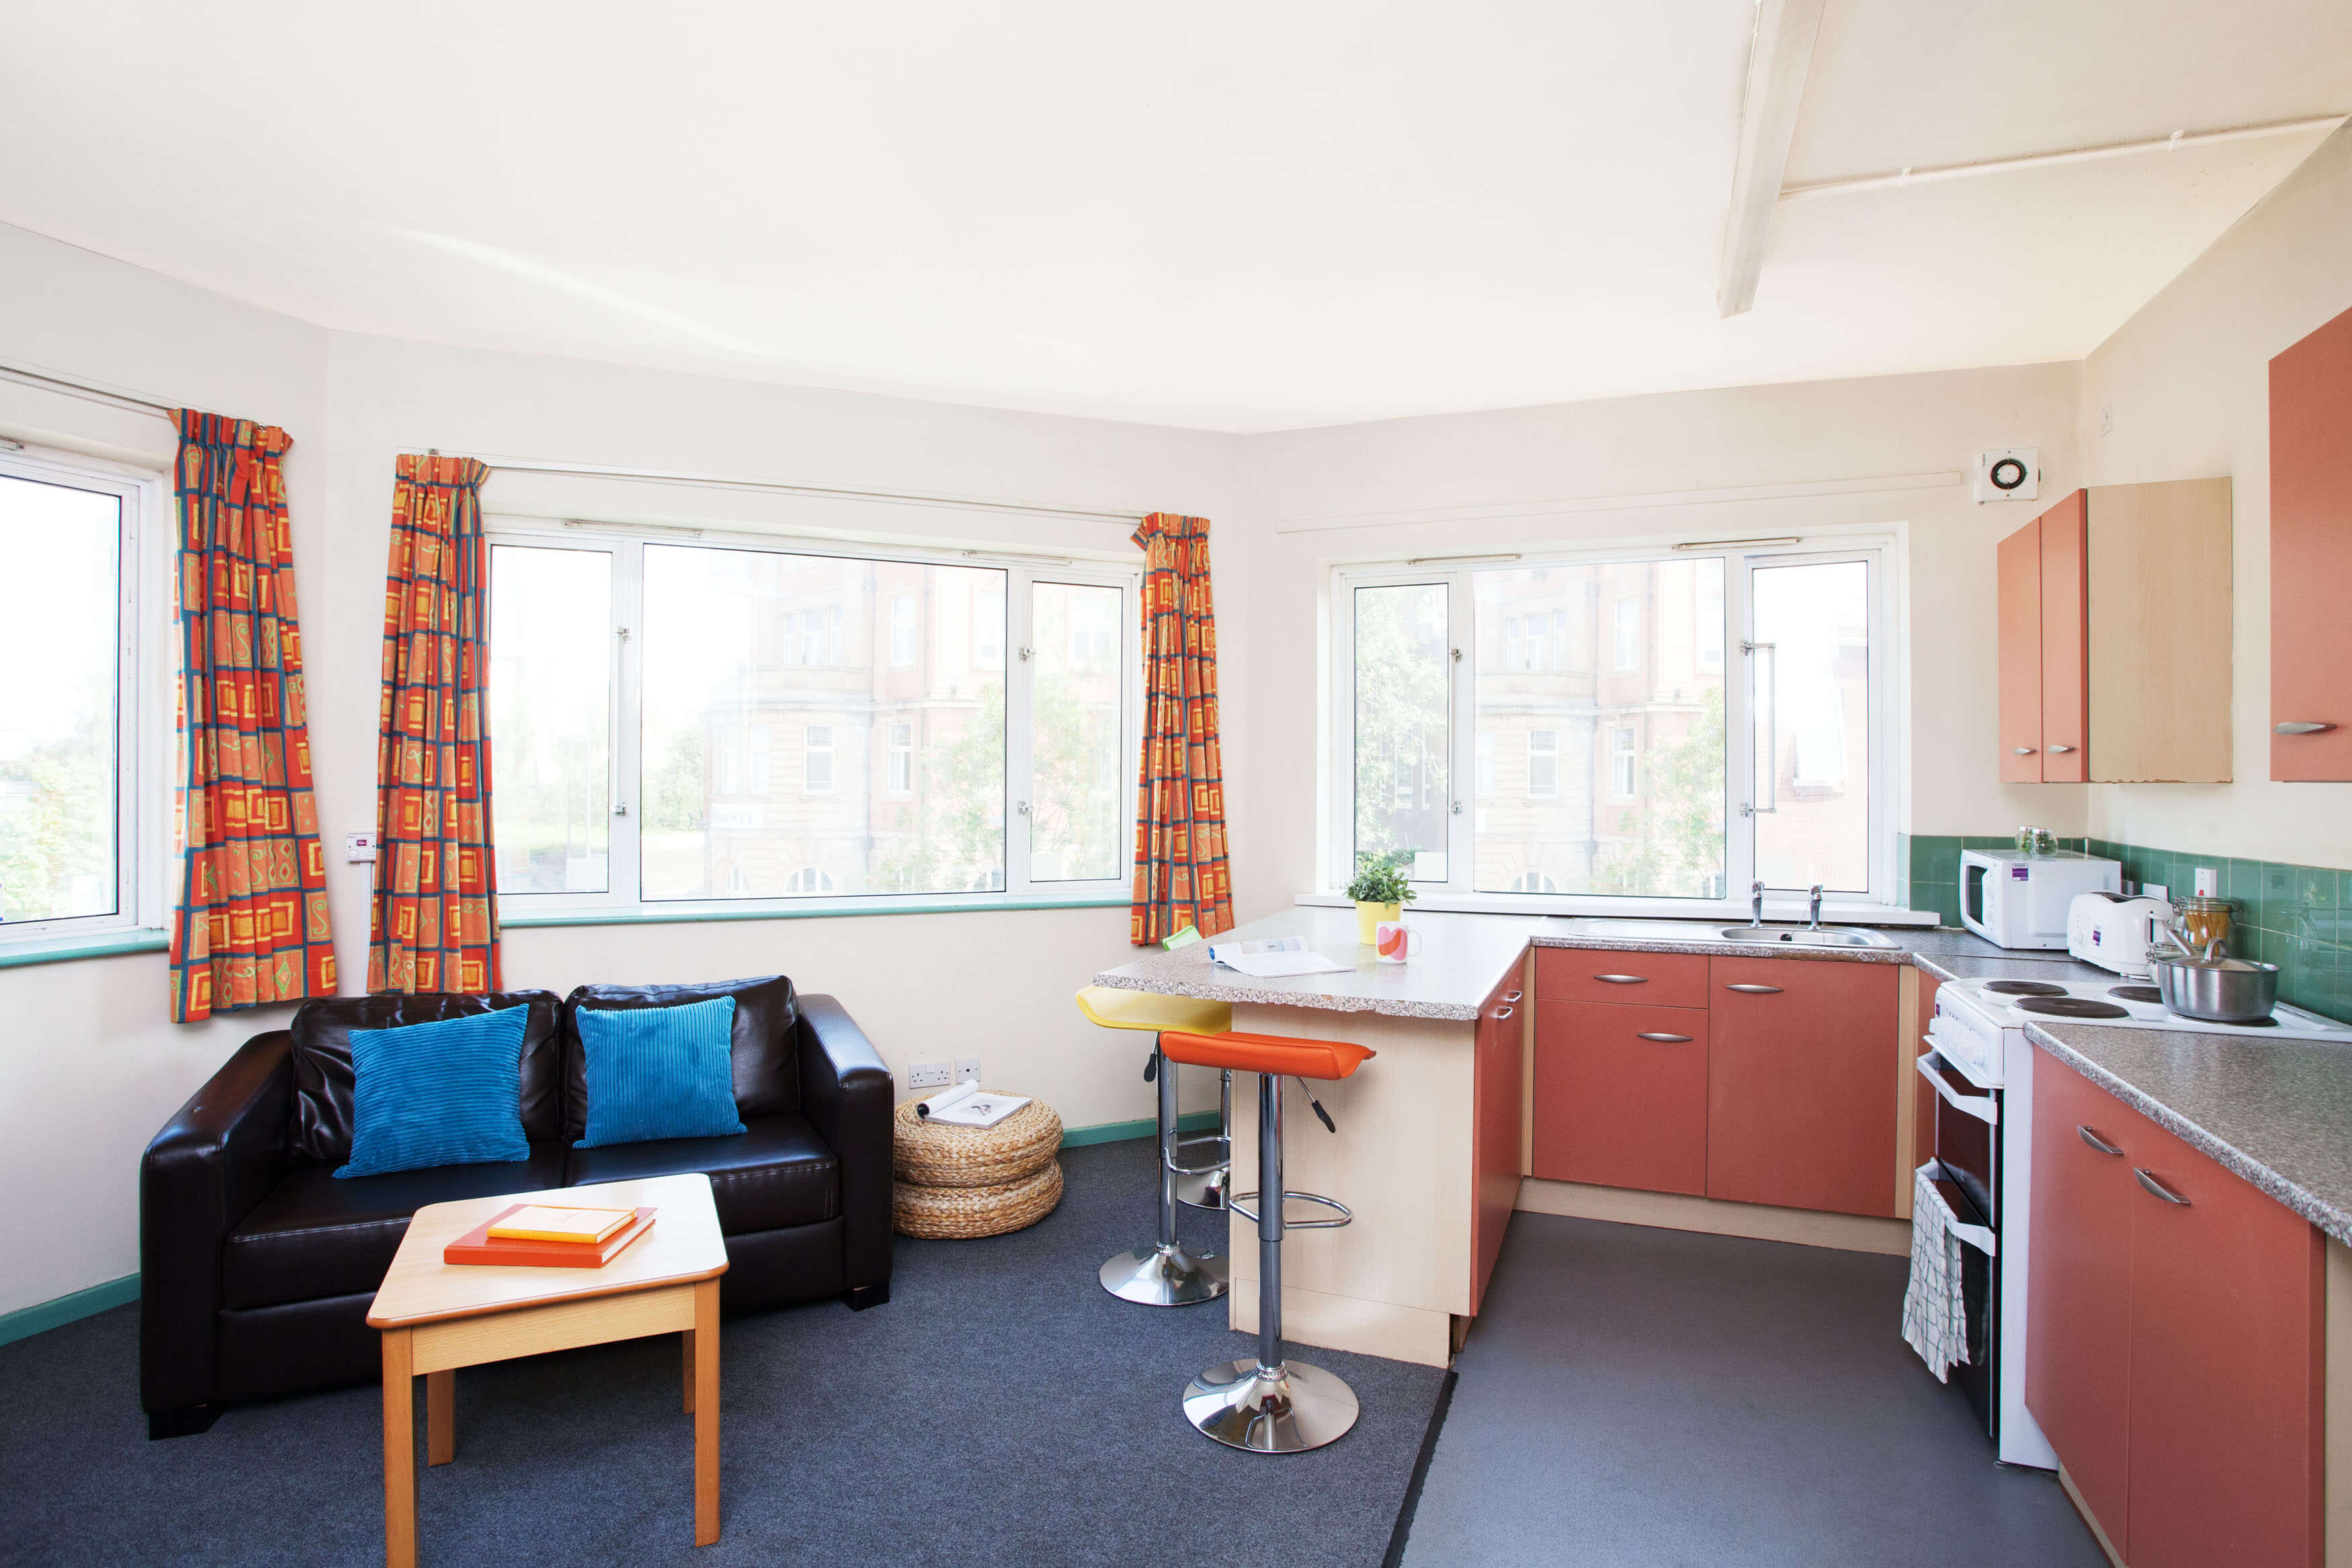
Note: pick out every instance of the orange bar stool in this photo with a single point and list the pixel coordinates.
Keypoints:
(1269, 1405)
(1164, 1274)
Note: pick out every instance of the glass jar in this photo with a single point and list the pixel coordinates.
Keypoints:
(2205, 920)
(2025, 840)
(2045, 842)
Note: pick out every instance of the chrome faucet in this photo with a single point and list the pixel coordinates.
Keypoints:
(1814, 923)
(1756, 918)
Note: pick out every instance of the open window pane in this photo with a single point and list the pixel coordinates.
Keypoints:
(1600, 729)
(778, 762)
(552, 718)
(1077, 830)
(1812, 725)
(59, 739)
(1401, 726)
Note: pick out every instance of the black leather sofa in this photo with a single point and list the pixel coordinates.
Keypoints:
(258, 1265)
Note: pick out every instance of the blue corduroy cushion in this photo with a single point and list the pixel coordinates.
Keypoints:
(442, 1093)
(659, 1072)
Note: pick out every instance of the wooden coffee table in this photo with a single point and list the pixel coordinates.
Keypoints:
(437, 1317)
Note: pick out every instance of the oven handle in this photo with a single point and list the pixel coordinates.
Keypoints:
(1979, 1237)
(1985, 1108)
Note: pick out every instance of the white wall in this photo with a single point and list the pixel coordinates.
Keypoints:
(89, 1066)
(2187, 382)
(1272, 583)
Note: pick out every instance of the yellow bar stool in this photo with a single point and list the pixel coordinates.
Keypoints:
(1164, 1274)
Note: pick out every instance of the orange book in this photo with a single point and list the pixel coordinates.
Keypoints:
(556, 1222)
(478, 1246)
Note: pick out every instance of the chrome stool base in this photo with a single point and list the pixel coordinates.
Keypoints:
(1164, 1277)
(1285, 1409)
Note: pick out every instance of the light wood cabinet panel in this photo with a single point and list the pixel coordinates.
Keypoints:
(1620, 1096)
(2066, 694)
(2311, 554)
(2020, 655)
(1800, 1098)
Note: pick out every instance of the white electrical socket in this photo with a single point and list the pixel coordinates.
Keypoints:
(966, 1070)
(926, 1075)
(358, 847)
(2209, 882)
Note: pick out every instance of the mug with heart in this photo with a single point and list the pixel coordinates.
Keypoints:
(1394, 941)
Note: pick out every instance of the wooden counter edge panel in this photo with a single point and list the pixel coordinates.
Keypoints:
(2158, 640)
(2335, 1392)
(1756, 1221)
(1906, 1086)
(1349, 1323)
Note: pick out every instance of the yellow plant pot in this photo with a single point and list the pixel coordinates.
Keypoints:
(1371, 915)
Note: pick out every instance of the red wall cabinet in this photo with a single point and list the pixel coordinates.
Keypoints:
(1499, 1099)
(1801, 1087)
(2311, 555)
(2176, 1324)
(1621, 1095)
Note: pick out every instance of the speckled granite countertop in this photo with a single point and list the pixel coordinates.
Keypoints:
(2056, 967)
(2275, 1111)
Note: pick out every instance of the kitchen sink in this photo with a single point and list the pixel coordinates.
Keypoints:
(1644, 930)
(1804, 937)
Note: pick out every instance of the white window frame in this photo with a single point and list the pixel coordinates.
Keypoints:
(622, 898)
(146, 665)
(1880, 547)
(810, 749)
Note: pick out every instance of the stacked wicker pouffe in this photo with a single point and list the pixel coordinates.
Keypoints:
(956, 1183)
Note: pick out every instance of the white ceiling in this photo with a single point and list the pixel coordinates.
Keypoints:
(1232, 217)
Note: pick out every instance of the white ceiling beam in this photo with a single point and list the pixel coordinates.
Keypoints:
(1778, 59)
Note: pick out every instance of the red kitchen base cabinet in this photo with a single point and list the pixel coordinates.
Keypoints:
(2176, 1333)
(1498, 1093)
(1620, 1096)
(1800, 1083)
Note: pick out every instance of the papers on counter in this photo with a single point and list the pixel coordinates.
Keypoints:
(1272, 957)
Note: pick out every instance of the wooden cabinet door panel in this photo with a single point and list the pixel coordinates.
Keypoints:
(1498, 1096)
(1800, 1083)
(2077, 1364)
(2065, 628)
(2226, 1318)
(1642, 980)
(2311, 553)
(1620, 1096)
(2019, 655)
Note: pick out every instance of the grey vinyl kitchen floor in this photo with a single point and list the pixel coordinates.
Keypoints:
(1638, 1397)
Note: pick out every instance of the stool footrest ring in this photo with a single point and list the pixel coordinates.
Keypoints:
(1174, 1141)
(1234, 1204)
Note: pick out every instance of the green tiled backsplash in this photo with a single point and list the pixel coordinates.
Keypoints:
(2296, 916)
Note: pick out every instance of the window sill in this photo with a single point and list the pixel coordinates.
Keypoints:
(820, 912)
(1571, 905)
(61, 950)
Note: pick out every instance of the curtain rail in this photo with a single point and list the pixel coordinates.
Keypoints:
(25, 375)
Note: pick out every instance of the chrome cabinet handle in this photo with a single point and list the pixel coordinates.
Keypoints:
(1666, 1038)
(1502, 1013)
(1510, 996)
(2061, 748)
(2158, 1188)
(1756, 990)
(2299, 727)
(2098, 1142)
(1624, 979)
(2025, 751)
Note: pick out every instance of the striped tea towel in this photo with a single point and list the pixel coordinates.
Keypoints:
(1934, 1322)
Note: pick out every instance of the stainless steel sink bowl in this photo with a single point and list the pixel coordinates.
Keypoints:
(1802, 936)
(1642, 930)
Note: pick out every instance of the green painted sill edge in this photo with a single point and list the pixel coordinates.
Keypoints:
(42, 1316)
(649, 917)
(107, 947)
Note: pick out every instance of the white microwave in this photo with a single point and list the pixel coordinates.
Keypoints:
(2015, 900)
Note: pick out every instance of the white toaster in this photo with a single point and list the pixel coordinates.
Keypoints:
(2114, 930)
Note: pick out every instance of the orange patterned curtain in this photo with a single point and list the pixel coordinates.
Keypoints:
(1182, 877)
(435, 925)
(251, 924)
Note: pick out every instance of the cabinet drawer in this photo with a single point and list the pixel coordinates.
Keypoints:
(1620, 1096)
(1597, 975)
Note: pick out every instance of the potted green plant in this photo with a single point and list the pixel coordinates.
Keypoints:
(1379, 890)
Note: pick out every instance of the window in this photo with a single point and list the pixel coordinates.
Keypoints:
(902, 759)
(1543, 763)
(903, 610)
(722, 722)
(1623, 759)
(81, 741)
(816, 776)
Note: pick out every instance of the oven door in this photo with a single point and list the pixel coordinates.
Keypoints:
(1965, 1180)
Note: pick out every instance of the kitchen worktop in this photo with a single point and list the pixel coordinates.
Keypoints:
(2275, 1111)
(1465, 955)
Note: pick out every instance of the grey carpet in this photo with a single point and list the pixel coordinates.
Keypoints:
(1640, 1396)
(1000, 1409)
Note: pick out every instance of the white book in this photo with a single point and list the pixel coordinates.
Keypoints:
(1273, 966)
(979, 1109)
